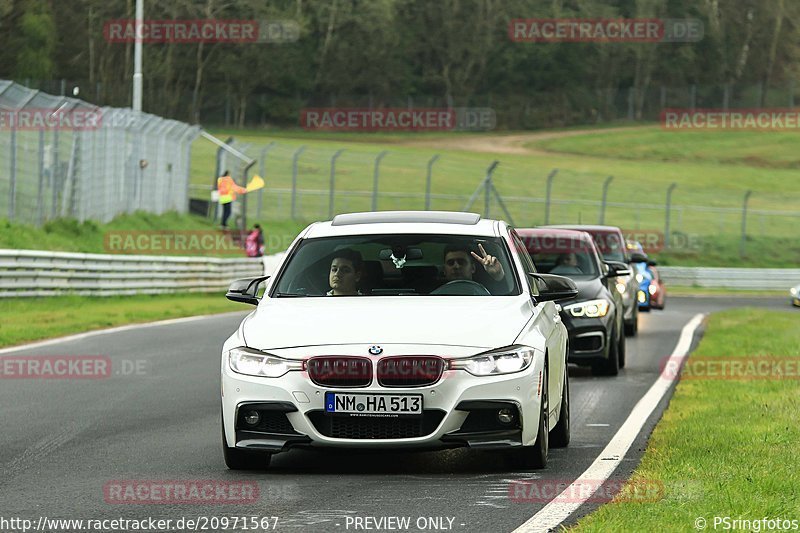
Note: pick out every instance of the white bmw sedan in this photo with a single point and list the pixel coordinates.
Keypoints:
(398, 330)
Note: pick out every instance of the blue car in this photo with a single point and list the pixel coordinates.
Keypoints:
(651, 293)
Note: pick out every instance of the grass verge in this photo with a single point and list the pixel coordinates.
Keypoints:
(69, 235)
(31, 319)
(724, 448)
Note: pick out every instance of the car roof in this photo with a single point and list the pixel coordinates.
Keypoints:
(530, 235)
(408, 222)
(548, 230)
(592, 228)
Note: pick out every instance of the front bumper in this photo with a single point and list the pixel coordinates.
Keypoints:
(458, 410)
(588, 338)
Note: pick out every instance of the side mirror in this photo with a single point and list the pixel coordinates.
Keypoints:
(554, 288)
(652, 263)
(637, 257)
(616, 269)
(245, 290)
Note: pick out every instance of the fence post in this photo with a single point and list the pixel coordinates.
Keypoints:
(605, 196)
(428, 182)
(549, 190)
(295, 157)
(220, 162)
(264, 176)
(375, 175)
(55, 174)
(669, 203)
(12, 186)
(40, 191)
(630, 103)
(744, 223)
(332, 186)
(490, 188)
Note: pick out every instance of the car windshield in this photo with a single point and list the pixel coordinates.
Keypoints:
(610, 246)
(576, 264)
(398, 265)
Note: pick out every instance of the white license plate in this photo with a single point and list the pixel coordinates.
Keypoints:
(383, 404)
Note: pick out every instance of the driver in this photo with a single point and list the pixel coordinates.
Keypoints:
(345, 273)
(458, 263)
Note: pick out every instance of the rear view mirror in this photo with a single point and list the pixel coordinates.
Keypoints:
(245, 290)
(637, 257)
(616, 269)
(554, 288)
(410, 254)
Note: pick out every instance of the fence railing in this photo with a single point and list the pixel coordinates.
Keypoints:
(29, 273)
(731, 278)
(71, 159)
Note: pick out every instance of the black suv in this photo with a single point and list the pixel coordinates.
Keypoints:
(595, 319)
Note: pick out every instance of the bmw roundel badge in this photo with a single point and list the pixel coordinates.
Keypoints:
(375, 350)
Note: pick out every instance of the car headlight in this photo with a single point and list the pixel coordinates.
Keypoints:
(639, 278)
(254, 363)
(642, 297)
(589, 309)
(652, 288)
(793, 290)
(620, 287)
(506, 361)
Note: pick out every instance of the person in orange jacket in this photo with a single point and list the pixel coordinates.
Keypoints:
(227, 190)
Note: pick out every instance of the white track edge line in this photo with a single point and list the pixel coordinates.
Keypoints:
(554, 513)
(116, 329)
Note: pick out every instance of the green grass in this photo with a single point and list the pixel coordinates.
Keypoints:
(750, 148)
(69, 235)
(712, 170)
(723, 447)
(64, 315)
(673, 290)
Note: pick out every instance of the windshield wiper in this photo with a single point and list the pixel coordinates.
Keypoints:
(290, 295)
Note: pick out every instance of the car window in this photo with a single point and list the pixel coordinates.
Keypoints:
(398, 265)
(569, 257)
(527, 263)
(610, 245)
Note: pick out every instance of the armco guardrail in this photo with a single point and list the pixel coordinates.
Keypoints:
(27, 273)
(731, 278)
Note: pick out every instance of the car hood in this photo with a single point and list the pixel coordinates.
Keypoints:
(588, 290)
(480, 322)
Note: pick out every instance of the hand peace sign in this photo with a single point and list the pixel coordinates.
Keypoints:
(490, 263)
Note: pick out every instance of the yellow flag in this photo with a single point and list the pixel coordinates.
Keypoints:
(256, 183)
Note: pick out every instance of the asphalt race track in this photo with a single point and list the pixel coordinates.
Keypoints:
(64, 440)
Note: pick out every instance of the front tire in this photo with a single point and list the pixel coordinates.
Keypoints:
(559, 437)
(609, 366)
(632, 327)
(536, 456)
